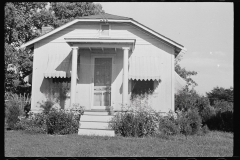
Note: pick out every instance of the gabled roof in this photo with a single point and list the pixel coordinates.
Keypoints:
(105, 17)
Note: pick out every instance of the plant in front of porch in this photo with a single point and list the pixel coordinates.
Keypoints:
(54, 122)
(136, 120)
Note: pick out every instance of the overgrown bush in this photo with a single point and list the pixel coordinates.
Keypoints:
(188, 100)
(190, 122)
(12, 112)
(205, 129)
(136, 120)
(35, 123)
(54, 122)
(27, 108)
(185, 100)
(223, 106)
(207, 113)
(222, 120)
(61, 122)
(136, 124)
(46, 106)
(168, 126)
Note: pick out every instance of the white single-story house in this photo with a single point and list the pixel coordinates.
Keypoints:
(101, 60)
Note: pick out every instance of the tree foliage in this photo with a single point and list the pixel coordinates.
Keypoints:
(23, 22)
(220, 94)
(185, 74)
(67, 11)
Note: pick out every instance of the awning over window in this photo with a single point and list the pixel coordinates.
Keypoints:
(59, 65)
(179, 82)
(144, 68)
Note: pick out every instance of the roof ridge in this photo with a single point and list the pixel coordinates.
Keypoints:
(105, 15)
(117, 15)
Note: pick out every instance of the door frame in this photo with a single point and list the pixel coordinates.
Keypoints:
(93, 57)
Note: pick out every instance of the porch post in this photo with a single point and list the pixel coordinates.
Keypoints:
(125, 75)
(73, 75)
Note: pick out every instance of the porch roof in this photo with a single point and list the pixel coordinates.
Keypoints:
(59, 66)
(101, 42)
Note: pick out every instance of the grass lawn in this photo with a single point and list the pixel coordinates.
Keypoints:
(22, 144)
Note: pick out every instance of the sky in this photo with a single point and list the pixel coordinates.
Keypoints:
(204, 29)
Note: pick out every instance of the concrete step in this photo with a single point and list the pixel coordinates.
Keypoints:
(95, 125)
(100, 107)
(95, 118)
(96, 132)
(96, 113)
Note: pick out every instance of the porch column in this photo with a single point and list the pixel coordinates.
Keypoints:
(73, 75)
(125, 75)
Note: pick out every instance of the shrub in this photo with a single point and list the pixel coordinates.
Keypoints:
(12, 111)
(61, 122)
(185, 100)
(168, 126)
(190, 122)
(55, 122)
(207, 113)
(205, 129)
(47, 105)
(35, 123)
(222, 120)
(223, 106)
(136, 120)
(188, 100)
(27, 108)
(137, 123)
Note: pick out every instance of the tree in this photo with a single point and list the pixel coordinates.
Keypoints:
(220, 94)
(18, 21)
(67, 11)
(9, 68)
(23, 22)
(186, 75)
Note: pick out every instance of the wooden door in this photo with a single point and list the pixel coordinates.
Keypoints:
(102, 81)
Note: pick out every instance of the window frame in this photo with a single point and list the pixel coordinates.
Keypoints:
(100, 30)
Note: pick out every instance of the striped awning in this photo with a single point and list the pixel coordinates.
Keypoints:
(144, 68)
(59, 65)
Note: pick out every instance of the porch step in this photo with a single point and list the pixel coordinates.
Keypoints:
(95, 118)
(96, 113)
(95, 123)
(96, 132)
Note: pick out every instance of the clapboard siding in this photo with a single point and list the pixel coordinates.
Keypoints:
(146, 44)
(91, 30)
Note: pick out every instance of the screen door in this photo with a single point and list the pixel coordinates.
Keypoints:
(102, 81)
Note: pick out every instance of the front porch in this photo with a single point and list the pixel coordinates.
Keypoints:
(92, 71)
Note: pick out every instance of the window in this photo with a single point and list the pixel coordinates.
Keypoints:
(139, 87)
(105, 30)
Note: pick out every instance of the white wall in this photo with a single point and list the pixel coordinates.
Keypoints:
(145, 45)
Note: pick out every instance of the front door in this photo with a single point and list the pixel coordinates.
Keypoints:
(102, 82)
